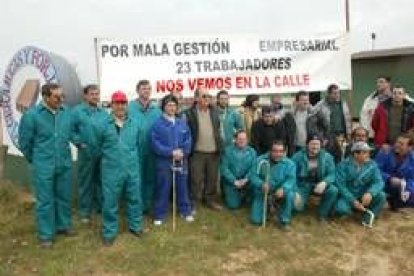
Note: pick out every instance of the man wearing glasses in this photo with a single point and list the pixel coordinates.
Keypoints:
(359, 184)
(44, 135)
(204, 122)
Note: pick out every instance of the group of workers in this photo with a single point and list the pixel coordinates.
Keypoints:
(271, 158)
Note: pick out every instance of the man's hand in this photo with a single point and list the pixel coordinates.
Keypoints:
(279, 193)
(366, 199)
(320, 188)
(265, 187)
(358, 206)
(82, 146)
(242, 182)
(395, 182)
(238, 184)
(178, 154)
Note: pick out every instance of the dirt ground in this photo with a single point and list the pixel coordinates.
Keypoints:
(216, 244)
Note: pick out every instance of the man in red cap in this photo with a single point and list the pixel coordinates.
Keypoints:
(119, 143)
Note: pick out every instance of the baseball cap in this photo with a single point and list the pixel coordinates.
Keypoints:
(360, 146)
(119, 97)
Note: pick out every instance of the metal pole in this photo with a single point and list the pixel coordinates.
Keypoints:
(347, 16)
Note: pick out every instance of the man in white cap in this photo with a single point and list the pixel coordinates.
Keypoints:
(359, 183)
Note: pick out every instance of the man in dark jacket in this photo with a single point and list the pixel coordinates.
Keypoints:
(267, 130)
(392, 117)
(204, 122)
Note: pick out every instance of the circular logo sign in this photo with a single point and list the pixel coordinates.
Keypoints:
(28, 70)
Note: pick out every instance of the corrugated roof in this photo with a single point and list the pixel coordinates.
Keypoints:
(403, 51)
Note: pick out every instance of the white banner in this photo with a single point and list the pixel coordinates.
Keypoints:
(241, 64)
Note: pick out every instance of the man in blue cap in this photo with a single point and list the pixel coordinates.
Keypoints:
(44, 136)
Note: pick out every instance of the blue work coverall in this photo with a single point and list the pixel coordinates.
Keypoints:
(353, 182)
(282, 175)
(390, 167)
(306, 183)
(146, 118)
(120, 149)
(86, 119)
(236, 164)
(44, 138)
(167, 136)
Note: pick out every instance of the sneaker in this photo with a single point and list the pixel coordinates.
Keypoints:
(157, 222)
(45, 243)
(189, 218)
(67, 232)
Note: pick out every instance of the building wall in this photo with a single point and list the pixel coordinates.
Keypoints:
(366, 71)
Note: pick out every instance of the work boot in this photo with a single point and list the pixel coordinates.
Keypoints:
(45, 244)
(214, 206)
(67, 233)
(323, 221)
(285, 227)
(108, 242)
(136, 234)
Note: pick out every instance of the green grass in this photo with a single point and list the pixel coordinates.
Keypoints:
(216, 244)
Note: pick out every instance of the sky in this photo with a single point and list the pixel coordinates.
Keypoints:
(67, 28)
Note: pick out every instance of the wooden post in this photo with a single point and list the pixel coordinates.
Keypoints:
(2, 151)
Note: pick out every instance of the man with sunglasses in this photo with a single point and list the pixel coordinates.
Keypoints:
(204, 122)
(360, 184)
(44, 134)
